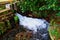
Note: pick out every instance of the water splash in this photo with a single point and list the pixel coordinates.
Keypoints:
(32, 23)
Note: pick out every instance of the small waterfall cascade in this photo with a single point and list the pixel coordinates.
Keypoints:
(32, 23)
(39, 26)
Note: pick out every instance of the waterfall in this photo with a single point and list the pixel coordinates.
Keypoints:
(38, 26)
(32, 23)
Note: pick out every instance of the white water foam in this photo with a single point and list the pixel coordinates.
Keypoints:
(32, 23)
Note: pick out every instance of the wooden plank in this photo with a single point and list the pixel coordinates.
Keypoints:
(6, 16)
(5, 1)
(16, 2)
(4, 10)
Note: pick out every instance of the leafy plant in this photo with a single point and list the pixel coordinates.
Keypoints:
(8, 24)
(39, 7)
(2, 28)
(58, 14)
(54, 30)
(16, 19)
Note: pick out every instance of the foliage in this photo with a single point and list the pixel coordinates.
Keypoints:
(3, 27)
(8, 24)
(2, 7)
(58, 14)
(54, 29)
(36, 6)
(16, 19)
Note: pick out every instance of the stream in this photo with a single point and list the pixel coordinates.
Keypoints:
(38, 27)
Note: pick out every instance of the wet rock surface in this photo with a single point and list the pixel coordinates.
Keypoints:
(38, 36)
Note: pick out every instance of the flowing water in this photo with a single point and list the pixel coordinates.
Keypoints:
(38, 26)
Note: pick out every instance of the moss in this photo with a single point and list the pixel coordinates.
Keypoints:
(16, 19)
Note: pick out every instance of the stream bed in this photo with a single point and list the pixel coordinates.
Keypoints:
(12, 35)
(38, 27)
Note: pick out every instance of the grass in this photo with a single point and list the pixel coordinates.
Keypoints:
(54, 30)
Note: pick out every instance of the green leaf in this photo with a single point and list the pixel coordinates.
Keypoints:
(58, 14)
(16, 19)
